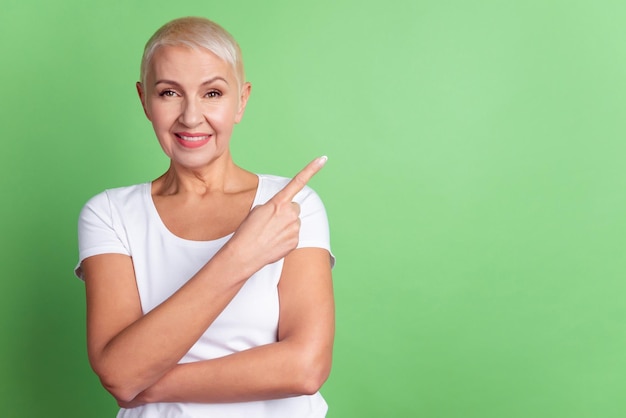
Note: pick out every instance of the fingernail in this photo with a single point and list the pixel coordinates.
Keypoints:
(322, 160)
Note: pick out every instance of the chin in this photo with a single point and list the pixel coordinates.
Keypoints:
(196, 161)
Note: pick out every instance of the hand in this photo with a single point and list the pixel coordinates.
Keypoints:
(271, 231)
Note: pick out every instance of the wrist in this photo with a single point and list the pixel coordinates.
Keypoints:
(240, 265)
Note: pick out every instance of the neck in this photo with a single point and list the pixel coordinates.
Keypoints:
(221, 176)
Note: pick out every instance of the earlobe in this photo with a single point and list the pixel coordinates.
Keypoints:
(243, 100)
(142, 98)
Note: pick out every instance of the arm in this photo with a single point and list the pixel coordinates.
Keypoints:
(298, 364)
(130, 351)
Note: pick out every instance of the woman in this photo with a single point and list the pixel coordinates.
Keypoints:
(198, 305)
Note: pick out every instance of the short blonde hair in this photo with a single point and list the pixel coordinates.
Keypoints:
(195, 32)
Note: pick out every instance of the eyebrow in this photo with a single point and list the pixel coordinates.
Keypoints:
(209, 81)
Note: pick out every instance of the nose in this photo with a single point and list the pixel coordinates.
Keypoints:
(191, 113)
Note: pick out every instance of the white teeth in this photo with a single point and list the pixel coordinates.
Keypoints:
(194, 138)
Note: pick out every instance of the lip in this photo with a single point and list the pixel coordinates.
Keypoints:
(192, 140)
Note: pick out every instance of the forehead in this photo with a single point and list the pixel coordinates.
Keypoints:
(181, 63)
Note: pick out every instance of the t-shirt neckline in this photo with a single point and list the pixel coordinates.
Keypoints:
(153, 212)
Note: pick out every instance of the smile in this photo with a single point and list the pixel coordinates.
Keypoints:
(193, 138)
(192, 141)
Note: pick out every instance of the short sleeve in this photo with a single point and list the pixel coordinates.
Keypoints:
(99, 230)
(314, 228)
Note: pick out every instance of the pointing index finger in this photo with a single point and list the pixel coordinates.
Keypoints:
(300, 180)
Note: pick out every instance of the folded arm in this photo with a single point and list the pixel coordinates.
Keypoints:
(298, 364)
(130, 351)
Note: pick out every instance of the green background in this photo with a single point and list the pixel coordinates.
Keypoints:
(475, 189)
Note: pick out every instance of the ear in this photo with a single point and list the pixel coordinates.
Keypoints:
(142, 97)
(243, 101)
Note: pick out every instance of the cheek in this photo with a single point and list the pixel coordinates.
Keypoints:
(224, 117)
(160, 115)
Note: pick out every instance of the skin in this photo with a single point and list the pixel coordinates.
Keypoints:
(202, 196)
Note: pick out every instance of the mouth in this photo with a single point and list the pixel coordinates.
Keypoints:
(188, 140)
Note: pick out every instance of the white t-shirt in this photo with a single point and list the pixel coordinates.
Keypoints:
(125, 221)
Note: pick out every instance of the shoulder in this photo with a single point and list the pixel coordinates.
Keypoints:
(117, 196)
(115, 204)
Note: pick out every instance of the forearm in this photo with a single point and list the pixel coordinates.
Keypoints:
(278, 370)
(146, 349)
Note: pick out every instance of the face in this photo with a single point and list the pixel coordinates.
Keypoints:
(193, 100)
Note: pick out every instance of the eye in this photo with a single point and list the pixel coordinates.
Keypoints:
(213, 94)
(168, 93)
